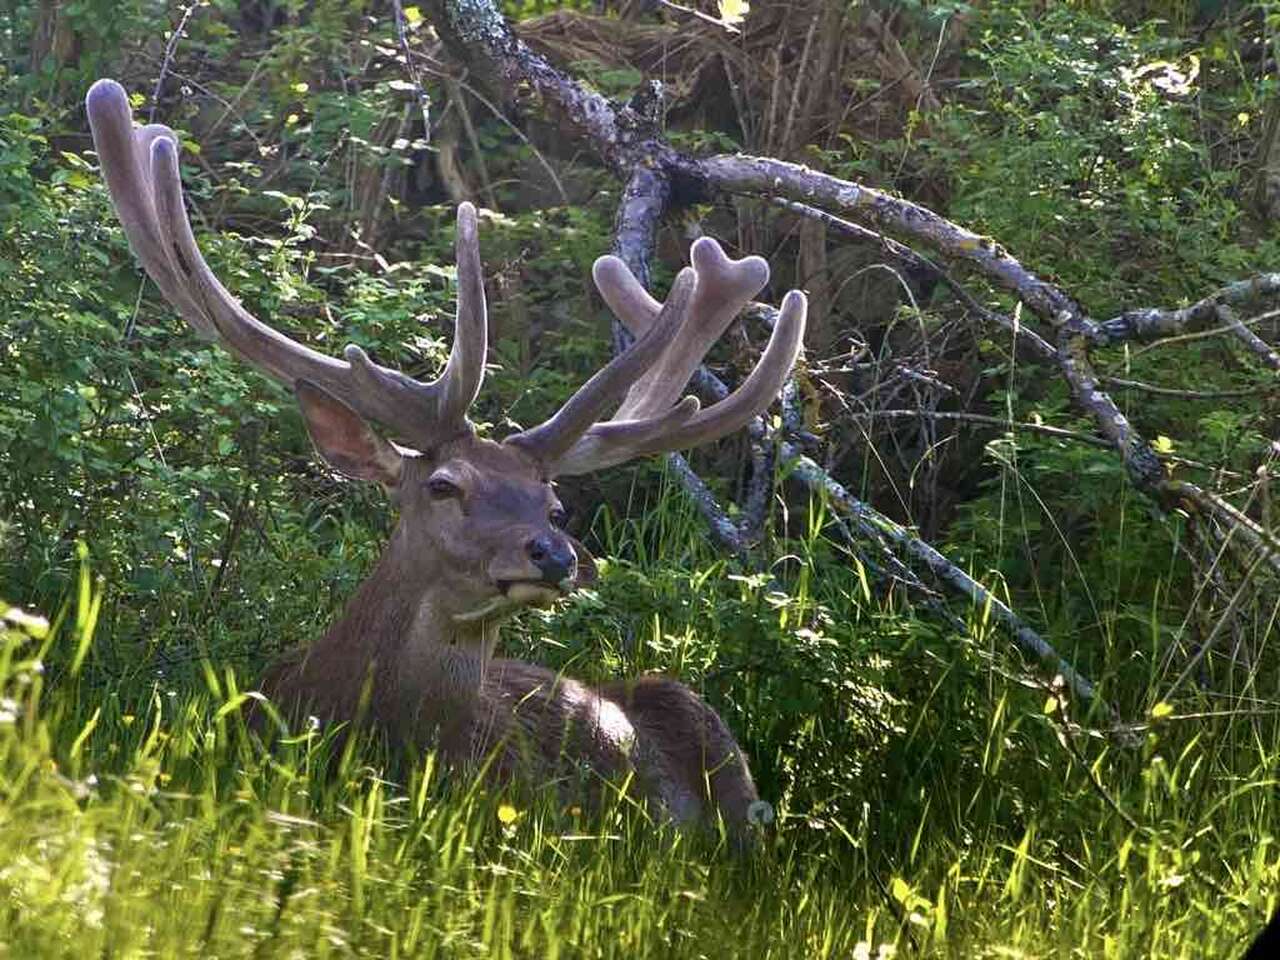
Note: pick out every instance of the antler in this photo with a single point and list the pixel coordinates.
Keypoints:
(649, 420)
(141, 170)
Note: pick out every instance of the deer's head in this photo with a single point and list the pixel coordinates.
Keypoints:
(482, 516)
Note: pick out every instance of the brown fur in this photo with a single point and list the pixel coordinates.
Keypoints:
(432, 680)
(478, 535)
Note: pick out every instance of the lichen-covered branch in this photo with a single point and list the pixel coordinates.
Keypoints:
(624, 135)
(723, 529)
(645, 199)
(766, 177)
(875, 525)
(1155, 323)
(659, 179)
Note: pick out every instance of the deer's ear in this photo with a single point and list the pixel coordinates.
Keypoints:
(344, 439)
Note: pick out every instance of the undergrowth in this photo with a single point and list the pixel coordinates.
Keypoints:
(974, 819)
(934, 795)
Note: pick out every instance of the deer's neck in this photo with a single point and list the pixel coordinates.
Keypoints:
(399, 634)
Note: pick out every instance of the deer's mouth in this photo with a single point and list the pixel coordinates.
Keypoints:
(536, 593)
(515, 594)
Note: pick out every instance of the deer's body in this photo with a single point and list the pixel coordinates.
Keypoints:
(413, 665)
(480, 530)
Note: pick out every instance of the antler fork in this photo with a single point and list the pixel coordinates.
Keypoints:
(141, 170)
(642, 384)
(649, 420)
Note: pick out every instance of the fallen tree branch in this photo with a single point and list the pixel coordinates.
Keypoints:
(767, 177)
(1263, 541)
(874, 524)
(658, 179)
(1155, 323)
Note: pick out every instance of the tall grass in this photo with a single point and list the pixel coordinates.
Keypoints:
(147, 820)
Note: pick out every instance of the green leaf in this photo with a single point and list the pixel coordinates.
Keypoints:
(733, 12)
(901, 890)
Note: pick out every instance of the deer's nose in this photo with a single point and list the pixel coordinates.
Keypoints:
(553, 557)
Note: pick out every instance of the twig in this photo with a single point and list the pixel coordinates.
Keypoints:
(170, 48)
(1204, 502)
(455, 93)
(419, 91)
(519, 134)
(699, 15)
(227, 550)
(982, 420)
(1159, 391)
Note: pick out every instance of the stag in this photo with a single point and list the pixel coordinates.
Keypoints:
(480, 531)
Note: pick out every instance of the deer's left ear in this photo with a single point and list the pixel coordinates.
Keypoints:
(587, 573)
(344, 439)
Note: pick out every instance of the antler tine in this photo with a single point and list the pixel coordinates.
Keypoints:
(647, 422)
(141, 170)
(459, 384)
(123, 150)
(724, 287)
(617, 441)
(554, 437)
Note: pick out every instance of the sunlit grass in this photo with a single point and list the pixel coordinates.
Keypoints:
(154, 823)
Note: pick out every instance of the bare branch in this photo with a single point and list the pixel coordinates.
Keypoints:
(1155, 323)
(763, 176)
(419, 91)
(874, 524)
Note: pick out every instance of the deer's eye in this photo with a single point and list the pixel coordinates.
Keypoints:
(442, 489)
(559, 516)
